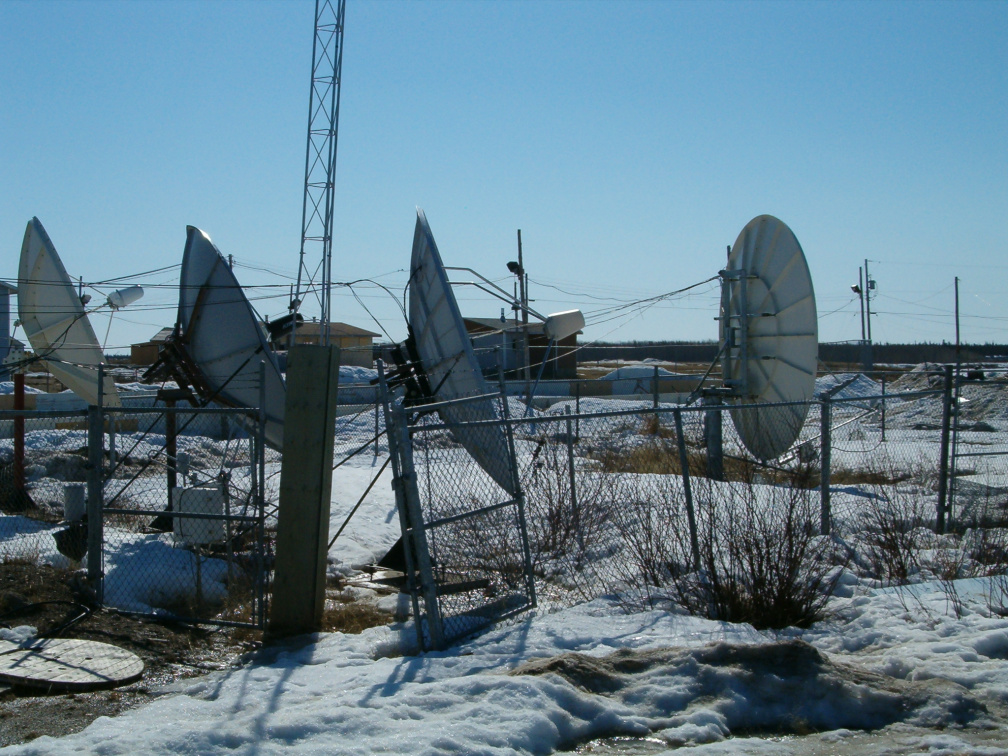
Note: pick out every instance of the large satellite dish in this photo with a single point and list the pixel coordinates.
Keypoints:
(55, 322)
(221, 336)
(769, 335)
(448, 360)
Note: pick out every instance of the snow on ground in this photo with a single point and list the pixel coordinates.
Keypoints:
(924, 667)
(375, 527)
(846, 386)
(355, 374)
(142, 571)
(551, 682)
(7, 387)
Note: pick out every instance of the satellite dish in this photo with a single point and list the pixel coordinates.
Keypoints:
(220, 334)
(769, 335)
(448, 360)
(55, 322)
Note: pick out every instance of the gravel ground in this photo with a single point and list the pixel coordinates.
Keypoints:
(45, 598)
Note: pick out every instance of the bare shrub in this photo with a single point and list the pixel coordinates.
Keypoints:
(651, 425)
(761, 560)
(650, 527)
(562, 522)
(893, 528)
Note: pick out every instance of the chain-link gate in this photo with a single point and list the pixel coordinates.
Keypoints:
(465, 537)
(978, 481)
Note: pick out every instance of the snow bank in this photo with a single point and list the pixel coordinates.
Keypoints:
(552, 682)
(7, 387)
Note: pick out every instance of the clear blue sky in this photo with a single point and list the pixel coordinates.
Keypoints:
(630, 141)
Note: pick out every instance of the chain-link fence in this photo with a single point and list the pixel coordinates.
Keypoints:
(599, 480)
(978, 485)
(184, 515)
(629, 496)
(164, 507)
(43, 463)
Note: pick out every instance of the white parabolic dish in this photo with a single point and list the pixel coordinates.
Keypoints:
(221, 334)
(55, 322)
(774, 344)
(448, 359)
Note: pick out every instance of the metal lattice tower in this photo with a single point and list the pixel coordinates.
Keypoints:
(314, 278)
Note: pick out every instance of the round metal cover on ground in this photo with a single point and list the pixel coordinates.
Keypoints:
(68, 664)
(769, 335)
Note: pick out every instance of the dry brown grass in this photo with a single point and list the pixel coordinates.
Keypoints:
(353, 617)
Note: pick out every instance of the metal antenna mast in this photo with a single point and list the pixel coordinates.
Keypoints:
(320, 161)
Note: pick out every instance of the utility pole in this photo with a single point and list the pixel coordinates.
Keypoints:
(869, 286)
(523, 290)
(860, 291)
(957, 318)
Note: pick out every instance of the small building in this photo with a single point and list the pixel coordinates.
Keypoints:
(146, 353)
(498, 342)
(6, 346)
(356, 344)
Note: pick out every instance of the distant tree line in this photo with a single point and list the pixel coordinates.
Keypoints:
(706, 351)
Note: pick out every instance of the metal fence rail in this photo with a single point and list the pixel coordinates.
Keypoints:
(465, 535)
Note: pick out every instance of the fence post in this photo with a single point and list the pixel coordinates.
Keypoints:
(519, 494)
(943, 463)
(575, 508)
(577, 409)
(684, 463)
(19, 440)
(825, 461)
(883, 409)
(94, 500)
(654, 385)
(399, 489)
(418, 536)
(261, 594)
(713, 435)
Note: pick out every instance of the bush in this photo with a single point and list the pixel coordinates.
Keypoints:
(761, 560)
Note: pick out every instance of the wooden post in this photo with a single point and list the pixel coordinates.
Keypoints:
(305, 490)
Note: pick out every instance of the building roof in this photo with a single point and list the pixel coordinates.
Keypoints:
(483, 325)
(314, 328)
(158, 338)
(479, 325)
